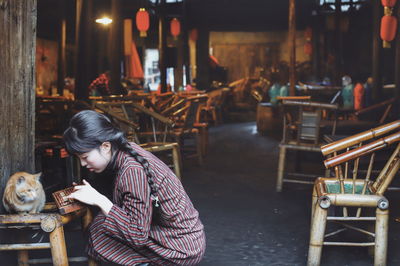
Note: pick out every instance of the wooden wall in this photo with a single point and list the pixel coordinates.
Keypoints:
(17, 87)
(243, 52)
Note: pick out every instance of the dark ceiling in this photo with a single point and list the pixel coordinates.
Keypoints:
(217, 15)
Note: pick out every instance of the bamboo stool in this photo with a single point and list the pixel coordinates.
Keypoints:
(302, 121)
(52, 223)
(354, 194)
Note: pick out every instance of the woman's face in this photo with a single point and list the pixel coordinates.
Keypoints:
(96, 160)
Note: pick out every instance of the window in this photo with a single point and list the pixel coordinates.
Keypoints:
(345, 5)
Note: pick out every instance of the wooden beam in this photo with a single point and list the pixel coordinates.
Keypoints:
(17, 90)
(292, 47)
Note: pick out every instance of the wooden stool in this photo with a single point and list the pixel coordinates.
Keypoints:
(52, 223)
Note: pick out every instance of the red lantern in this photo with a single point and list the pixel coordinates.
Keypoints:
(389, 3)
(308, 48)
(175, 27)
(142, 21)
(388, 28)
(193, 35)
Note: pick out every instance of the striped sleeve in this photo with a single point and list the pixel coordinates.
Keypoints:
(130, 221)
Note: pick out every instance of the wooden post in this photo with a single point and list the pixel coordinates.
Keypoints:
(62, 40)
(178, 71)
(202, 59)
(185, 37)
(84, 50)
(376, 51)
(162, 46)
(397, 71)
(292, 47)
(17, 79)
(115, 51)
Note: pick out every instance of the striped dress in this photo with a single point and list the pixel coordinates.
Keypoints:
(129, 234)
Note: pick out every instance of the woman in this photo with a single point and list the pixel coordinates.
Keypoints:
(151, 220)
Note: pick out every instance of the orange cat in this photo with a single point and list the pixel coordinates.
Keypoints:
(24, 193)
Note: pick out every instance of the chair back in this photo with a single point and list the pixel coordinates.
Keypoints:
(346, 155)
(302, 120)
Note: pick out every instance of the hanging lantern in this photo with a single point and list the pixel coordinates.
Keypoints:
(175, 27)
(193, 35)
(142, 21)
(388, 23)
(388, 3)
(308, 48)
(388, 30)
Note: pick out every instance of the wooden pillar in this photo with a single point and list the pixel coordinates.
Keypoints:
(338, 44)
(292, 47)
(84, 72)
(376, 51)
(397, 70)
(62, 41)
(162, 46)
(202, 59)
(115, 47)
(316, 47)
(17, 90)
(178, 71)
(185, 38)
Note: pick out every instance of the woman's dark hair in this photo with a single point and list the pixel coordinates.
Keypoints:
(89, 129)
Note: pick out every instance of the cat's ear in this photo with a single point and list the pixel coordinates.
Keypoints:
(21, 179)
(37, 176)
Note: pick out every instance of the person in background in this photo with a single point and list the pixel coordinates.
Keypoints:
(368, 92)
(358, 93)
(347, 92)
(275, 90)
(150, 220)
(101, 85)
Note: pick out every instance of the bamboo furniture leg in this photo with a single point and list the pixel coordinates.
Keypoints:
(317, 236)
(23, 258)
(199, 149)
(57, 245)
(281, 168)
(176, 158)
(381, 232)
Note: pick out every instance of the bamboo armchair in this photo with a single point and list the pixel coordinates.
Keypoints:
(187, 126)
(302, 121)
(354, 192)
(125, 112)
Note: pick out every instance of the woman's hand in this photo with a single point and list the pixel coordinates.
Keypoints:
(87, 194)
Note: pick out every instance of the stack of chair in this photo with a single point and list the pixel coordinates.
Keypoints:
(302, 123)
(348, 197)
(125, 112)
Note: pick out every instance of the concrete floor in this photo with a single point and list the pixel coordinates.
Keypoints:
(246, 221)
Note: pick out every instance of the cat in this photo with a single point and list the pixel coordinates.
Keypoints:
(24, 193)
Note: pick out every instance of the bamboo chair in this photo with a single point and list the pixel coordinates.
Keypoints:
(126, 111)
(186, 126)
(302, 121)
(354, 194)
(51, 222)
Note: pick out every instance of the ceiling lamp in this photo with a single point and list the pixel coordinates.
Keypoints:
(175, 27)
(104, 20)
(142, 21)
